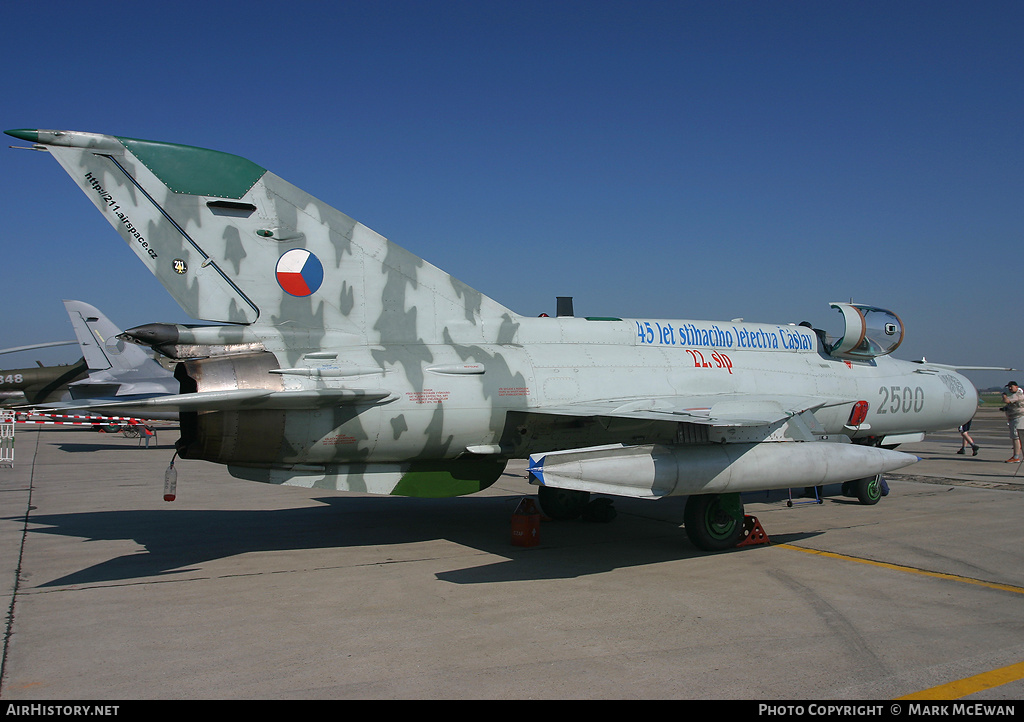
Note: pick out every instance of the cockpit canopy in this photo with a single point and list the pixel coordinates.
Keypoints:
(869, 331)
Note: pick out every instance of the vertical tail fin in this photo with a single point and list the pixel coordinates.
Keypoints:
(232, 242)
(97, 337)
(116, 368)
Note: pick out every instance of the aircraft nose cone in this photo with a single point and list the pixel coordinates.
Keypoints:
(32, 136)
(968, 403)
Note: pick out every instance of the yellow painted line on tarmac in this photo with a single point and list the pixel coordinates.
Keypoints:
(961, 687)
(970, 685)
(911, 570)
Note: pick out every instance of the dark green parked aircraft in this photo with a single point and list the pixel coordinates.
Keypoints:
(39, 385)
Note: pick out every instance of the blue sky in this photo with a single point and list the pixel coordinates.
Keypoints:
(691, 160)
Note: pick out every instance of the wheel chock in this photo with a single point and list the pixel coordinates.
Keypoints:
(526, 524)
(753, 533)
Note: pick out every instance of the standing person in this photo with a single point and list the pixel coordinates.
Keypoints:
(965, 440)
(1014, 409)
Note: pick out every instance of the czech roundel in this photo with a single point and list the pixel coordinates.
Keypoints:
(299, 272)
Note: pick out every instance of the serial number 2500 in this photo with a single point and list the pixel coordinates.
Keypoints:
(900, 399)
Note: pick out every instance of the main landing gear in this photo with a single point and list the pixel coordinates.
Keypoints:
(714, 522)
(565, 504)
(562, 504)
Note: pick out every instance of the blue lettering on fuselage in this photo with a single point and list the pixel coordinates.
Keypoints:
(657, 333)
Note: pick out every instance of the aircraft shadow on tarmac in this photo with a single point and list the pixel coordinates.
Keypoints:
(177, 542)
(75, 447)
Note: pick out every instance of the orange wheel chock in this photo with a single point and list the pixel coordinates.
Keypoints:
(753, 533)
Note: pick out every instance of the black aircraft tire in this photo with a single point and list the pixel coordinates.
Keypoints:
(867, 490)
(708, 526)
(562, 504)
(599, 510)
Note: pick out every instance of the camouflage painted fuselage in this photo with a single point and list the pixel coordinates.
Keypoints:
(541, 390)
